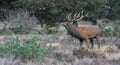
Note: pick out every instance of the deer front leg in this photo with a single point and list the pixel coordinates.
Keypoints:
(87, 43)
(81, 42)
(97, 39)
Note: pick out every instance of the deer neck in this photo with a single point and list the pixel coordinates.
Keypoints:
(72, 29)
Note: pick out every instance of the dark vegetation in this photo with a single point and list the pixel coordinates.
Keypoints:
(51, 11)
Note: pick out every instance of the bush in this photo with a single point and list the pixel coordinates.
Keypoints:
(51, 30)
(46, 30)
(20, 30)
(28, 49)
(110, 28)
(5, 31)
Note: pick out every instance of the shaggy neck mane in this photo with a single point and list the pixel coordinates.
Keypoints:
(72, 29)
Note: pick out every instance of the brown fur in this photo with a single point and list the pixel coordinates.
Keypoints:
(89, 31)
(83, 32)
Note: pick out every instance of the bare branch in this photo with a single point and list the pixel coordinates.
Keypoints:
(23, 16)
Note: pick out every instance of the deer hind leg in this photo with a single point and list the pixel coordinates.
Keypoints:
(91, 41)
(98, 42)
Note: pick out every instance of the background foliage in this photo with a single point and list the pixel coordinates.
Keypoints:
(52, 11)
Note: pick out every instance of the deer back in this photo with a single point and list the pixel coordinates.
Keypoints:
(89, 31)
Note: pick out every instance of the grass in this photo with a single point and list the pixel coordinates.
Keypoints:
(14, 50)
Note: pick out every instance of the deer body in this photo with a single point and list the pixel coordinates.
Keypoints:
(83, 32)
(89, 31)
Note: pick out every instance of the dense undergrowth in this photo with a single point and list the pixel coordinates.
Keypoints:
(22, 30)
(110, 28)
(27, 49)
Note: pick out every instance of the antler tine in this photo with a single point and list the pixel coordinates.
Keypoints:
(87, 14)
(78, 15)
(81, 15)
(75, 15)
(69, 16)
(82, 12)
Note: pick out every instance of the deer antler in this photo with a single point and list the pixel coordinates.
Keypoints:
(80, 15)
(68, 17)
(77, 16)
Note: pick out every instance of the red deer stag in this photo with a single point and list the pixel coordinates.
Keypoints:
(83, 32)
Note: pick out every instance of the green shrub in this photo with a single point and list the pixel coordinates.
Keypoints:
(110, 28)
(47, 30)
(27, 49)
(20, 30)
(6, 31)
(51, 30)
